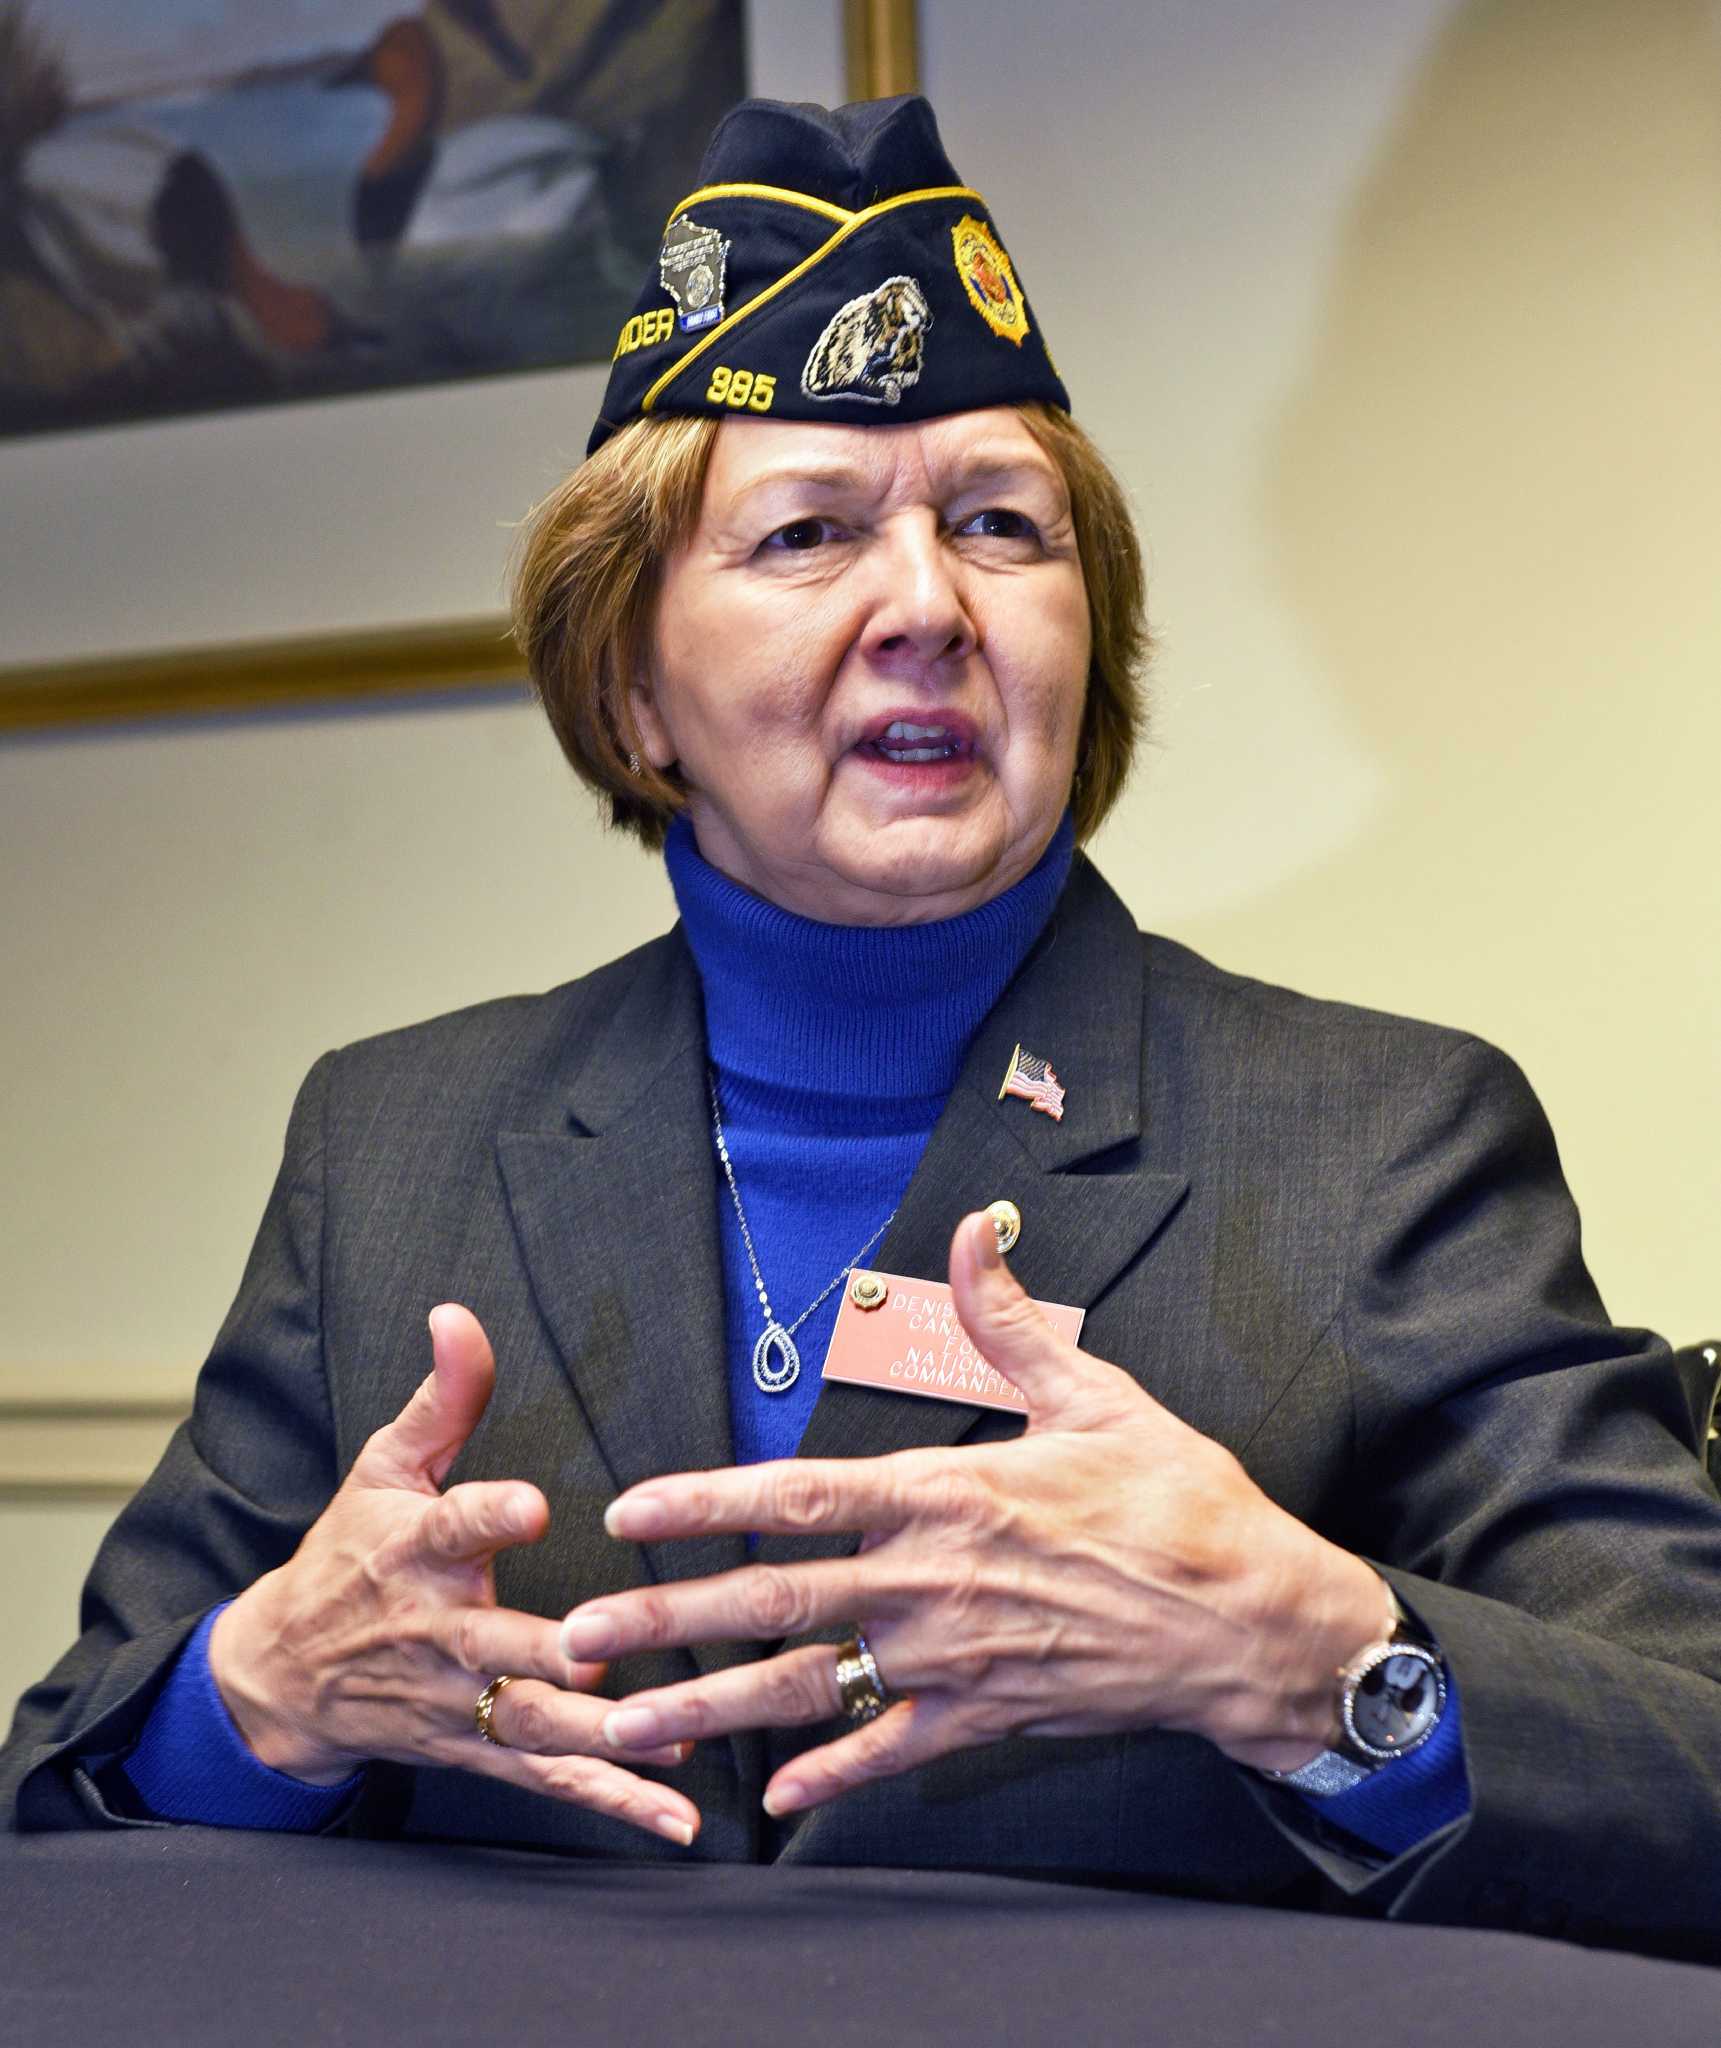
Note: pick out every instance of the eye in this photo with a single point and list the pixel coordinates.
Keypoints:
(998, 522)
(800, 536)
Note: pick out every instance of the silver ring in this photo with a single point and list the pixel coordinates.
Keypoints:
(486, 1707)
(863, 1693)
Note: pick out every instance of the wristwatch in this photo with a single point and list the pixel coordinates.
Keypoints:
(1390, 1701)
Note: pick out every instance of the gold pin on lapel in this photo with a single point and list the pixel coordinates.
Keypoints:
(867, 1290)
(1032, 1078)
(1006, 1221)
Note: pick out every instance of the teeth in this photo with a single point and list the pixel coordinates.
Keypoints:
(899, 729)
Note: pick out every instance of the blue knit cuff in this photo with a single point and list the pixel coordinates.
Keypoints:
(192, 1764)
(1394, 1809)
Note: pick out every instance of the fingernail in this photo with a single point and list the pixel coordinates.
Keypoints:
(989, 1252)
(631, 1728)
(786, 1796)
(588, 1635)
(678, 1830)
(635, 1514)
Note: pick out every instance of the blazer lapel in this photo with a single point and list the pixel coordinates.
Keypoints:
(616, 1221)
(615, 1210)
(1078, 1001)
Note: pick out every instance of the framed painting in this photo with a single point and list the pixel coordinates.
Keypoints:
(307, 303)
(225, 202)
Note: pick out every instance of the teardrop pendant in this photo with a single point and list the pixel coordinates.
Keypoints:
(775, 1375)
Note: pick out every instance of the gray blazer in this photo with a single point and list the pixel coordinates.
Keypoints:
(1337, 1242)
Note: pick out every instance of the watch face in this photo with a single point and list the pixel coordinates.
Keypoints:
(1397, 1703)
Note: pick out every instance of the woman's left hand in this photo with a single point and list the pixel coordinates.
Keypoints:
(1109, 1569)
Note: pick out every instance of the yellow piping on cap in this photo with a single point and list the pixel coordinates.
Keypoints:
(851, 222)
(828, 208)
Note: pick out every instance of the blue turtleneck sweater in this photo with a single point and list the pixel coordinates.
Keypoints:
(834, 1049)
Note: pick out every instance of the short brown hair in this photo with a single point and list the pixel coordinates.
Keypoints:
(585, 586)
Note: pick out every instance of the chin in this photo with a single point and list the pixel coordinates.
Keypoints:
(918, 860)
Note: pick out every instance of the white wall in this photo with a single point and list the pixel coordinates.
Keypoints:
(1399, 321)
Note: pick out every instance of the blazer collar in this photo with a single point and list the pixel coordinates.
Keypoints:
(1079, 1001)
(615, 1209)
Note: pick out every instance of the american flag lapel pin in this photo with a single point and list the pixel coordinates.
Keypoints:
(1032, 1078)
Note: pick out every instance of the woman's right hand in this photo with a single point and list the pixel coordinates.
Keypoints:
(376, 1637)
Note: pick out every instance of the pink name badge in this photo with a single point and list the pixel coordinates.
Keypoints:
(910, 1342)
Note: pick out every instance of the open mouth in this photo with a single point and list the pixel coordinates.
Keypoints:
(907, 744)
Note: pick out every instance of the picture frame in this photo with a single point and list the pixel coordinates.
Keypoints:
(207, 515)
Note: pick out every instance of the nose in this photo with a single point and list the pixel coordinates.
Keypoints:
(921, 616)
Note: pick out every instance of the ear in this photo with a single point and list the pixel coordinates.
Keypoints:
(654, 741)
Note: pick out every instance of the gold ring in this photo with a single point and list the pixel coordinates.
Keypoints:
(859, 1687)
(486, 1707)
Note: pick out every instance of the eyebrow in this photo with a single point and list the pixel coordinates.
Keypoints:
(831, 477)
(840, 477)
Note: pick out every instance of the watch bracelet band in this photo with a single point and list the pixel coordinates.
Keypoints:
(1336, 1770)
(1324, 1775)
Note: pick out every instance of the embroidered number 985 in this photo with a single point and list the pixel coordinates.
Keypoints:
(741, 388)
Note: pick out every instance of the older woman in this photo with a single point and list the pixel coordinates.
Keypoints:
(845, 613)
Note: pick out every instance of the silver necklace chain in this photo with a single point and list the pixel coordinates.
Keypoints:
(776, 1361)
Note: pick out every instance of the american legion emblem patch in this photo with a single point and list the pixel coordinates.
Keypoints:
(988, 279)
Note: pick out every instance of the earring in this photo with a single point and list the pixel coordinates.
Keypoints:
(632, 762)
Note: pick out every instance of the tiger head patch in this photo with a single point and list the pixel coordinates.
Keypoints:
(873, 347)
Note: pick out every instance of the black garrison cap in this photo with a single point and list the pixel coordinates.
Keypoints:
(830, 266)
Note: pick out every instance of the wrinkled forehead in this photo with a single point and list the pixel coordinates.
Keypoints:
(758, 462)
